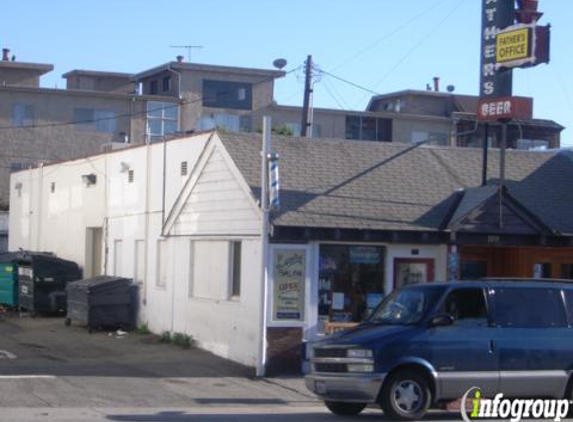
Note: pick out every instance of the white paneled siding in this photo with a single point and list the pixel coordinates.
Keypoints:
(218, 204)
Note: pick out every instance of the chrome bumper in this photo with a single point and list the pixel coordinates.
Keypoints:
(362, 388)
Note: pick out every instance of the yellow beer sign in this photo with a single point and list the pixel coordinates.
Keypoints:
(513, 45)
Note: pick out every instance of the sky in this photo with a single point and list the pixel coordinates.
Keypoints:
(381, 45)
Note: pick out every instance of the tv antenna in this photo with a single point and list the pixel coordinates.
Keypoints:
(188, 48)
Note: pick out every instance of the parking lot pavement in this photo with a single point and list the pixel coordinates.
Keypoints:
(54, 366)
(53, 373)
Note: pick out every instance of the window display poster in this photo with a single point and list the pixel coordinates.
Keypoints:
(289, 274)
(411, 273)
(337, 301)
(364, 255)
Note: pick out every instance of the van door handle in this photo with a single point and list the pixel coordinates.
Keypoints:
(491, 346)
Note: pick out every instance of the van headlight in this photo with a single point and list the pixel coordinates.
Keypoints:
(360, 367)
(359, 353)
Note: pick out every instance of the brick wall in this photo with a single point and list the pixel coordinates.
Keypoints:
(284, 351)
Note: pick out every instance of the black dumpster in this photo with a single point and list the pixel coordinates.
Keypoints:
(42, 279)
(102, 301)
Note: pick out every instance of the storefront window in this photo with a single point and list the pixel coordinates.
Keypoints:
(351, 282)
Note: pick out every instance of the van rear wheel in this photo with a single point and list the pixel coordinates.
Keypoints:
(345, 408)
(406, 396)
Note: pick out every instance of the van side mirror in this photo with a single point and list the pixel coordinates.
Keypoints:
(441, 320)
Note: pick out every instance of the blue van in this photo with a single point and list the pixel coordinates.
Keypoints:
(429, 344)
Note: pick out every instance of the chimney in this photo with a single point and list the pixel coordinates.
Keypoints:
(5, 54)
(179, 59)
(436, 84)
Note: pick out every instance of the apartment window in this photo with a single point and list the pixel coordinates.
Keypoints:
(433, 138)
(95, 120)
(368, 128)
(166, 84)
(153, 87)
(235, 269)
(230, 122)
(183, 168)
(162, 118)
(226, 94)
(22, 115)
(532, 144)
(295, 128)
(19, 166)
(130, 176)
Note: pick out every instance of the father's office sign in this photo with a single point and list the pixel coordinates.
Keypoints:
(514, 46)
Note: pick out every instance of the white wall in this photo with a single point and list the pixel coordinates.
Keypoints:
(56, 221)
(194, 295)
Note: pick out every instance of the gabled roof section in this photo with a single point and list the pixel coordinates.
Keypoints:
(479, 211)
(215, 199)
(333, 183)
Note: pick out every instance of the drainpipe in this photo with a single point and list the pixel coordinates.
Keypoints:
(262, 353)
(40, 201)
(179, 109)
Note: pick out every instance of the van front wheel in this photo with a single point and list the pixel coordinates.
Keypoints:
(406, 396)
(345, 408)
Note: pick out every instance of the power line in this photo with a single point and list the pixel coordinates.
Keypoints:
(349, 82)
(390, 34)
(327, 86)
(418, 44)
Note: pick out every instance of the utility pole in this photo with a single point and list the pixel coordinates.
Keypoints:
(265, 228)
(306, 119)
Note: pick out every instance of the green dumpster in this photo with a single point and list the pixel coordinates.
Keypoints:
(9, 285)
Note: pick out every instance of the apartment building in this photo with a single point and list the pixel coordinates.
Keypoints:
(96, 111)
(108, 110)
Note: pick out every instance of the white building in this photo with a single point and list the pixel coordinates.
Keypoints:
(182, 218)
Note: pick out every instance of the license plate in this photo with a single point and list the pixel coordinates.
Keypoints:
(320, 387)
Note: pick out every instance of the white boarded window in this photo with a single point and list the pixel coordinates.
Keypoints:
(211, 269)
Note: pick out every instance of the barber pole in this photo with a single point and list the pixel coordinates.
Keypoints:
(274, 187)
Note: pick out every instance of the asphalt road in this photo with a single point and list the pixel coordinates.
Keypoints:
(53, 373)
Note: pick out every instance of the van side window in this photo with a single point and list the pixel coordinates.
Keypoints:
(467, 307)
(529, 308)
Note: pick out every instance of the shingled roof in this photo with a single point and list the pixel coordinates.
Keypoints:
(332, 183)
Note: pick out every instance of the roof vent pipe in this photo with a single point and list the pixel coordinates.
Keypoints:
(436, 84)
(5, 54)
(179, 59)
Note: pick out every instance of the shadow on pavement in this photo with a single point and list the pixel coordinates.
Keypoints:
(176, 416)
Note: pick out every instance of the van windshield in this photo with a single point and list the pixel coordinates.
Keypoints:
(406, 306)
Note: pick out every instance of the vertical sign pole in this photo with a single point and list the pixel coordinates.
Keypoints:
(485, 151)
(502, 170)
